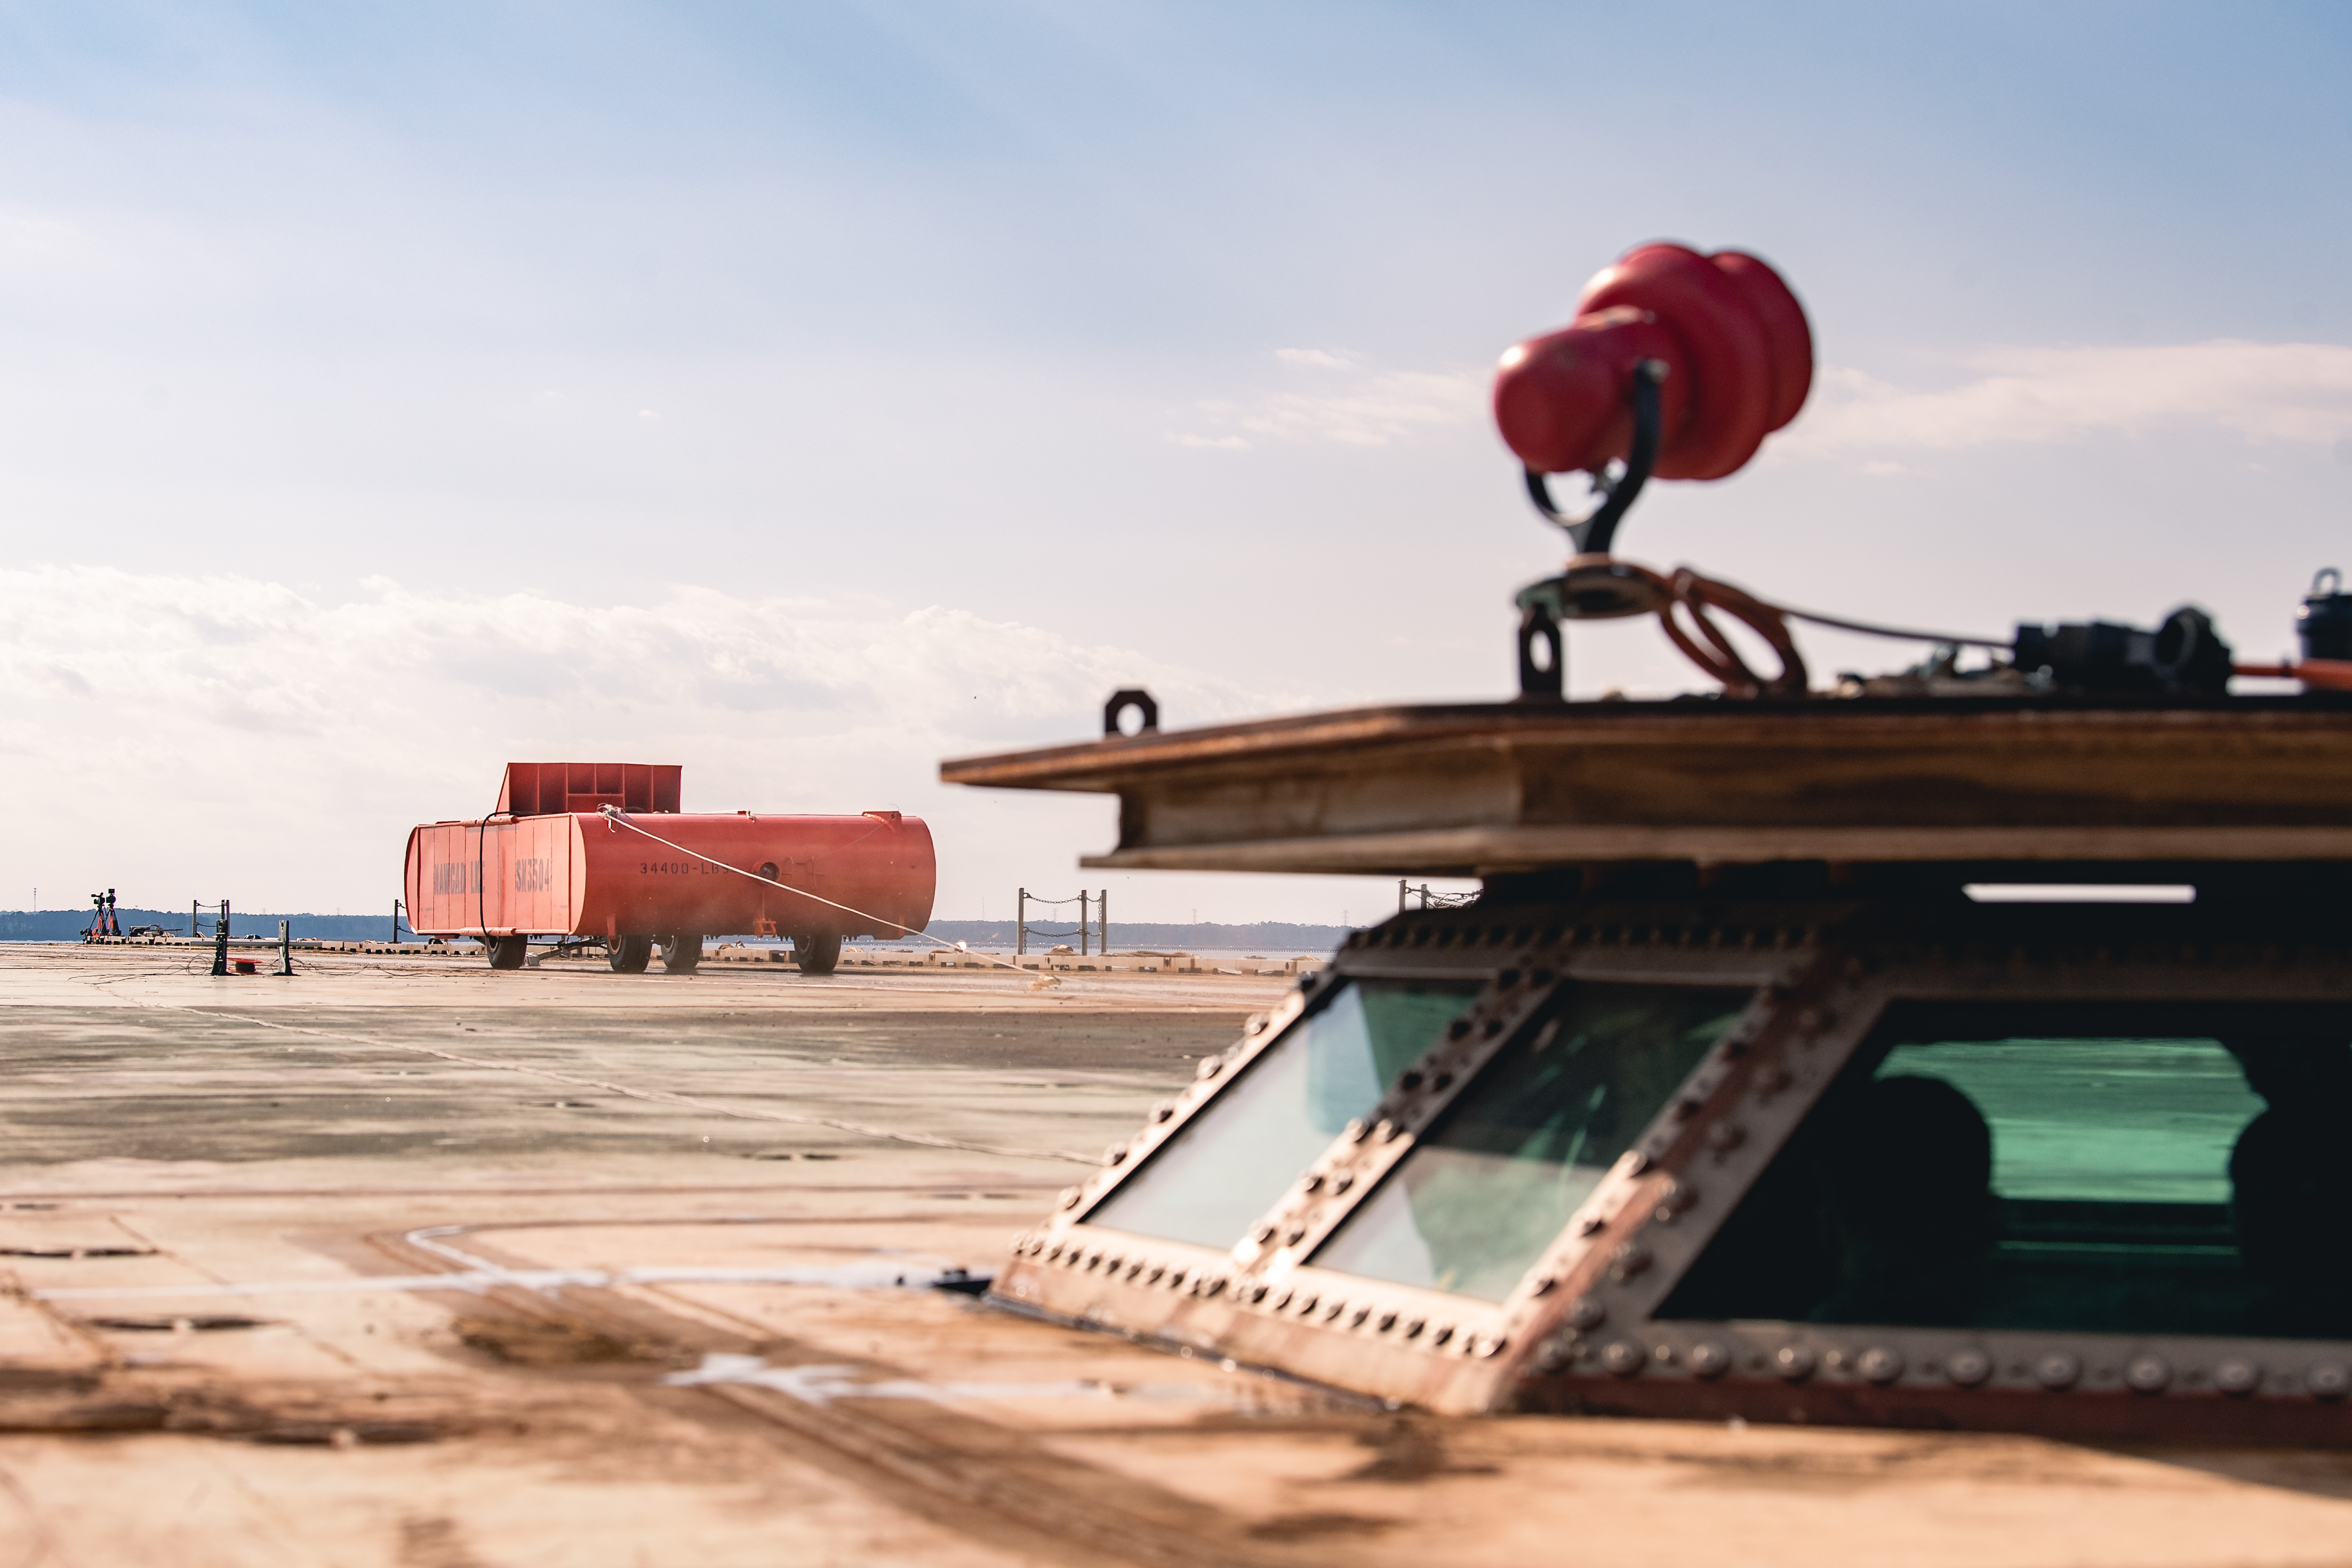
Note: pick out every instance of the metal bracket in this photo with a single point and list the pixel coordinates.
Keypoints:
(1591, 533)
(1121, 701)
(1543, 678)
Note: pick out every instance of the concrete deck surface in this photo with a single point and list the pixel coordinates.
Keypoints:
(398, 1264)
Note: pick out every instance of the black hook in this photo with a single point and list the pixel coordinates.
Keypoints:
(1592, 534)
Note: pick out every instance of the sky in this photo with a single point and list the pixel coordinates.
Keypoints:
(804, 394)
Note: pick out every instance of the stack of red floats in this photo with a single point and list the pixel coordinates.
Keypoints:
(552, 862)
(1738, 354)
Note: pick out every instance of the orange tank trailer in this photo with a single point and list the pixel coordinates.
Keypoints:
(549, 862)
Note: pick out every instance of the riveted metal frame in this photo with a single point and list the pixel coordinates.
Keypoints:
(1265, 1302)
(1601, 1349)
(1580, 1332)
(1092, 1273)
(1212, 1076)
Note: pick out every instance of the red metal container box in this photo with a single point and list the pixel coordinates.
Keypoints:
(574, 871)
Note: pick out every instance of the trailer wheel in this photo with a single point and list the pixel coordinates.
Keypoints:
(630, 954)
(508, 951)
(682, 954)
(817, 954)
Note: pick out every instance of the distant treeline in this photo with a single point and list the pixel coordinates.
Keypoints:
(66, 925)
(1273, 938)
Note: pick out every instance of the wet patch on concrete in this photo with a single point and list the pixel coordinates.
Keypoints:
(544, 1343)
(1318, 1526)
(204, 1323)
(345, 1434)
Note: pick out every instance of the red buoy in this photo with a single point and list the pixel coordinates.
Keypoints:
(1738, 353)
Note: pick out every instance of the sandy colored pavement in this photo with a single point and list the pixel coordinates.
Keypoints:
(402, 1263)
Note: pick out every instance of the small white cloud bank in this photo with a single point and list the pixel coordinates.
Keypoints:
(181, 736)
(1316, 358)
(35, 243)
(1332, 397)
(2296, 393)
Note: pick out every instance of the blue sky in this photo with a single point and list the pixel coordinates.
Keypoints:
(803, 394)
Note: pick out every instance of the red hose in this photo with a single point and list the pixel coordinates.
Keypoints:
(1694, 596)
(2318, 674)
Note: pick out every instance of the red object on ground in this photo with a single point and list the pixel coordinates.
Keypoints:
(1738, 351)
(575, 872)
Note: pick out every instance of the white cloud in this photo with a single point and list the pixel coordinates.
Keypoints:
(37, 241)
(1350, 405)
(2266, 392)
(178, 653)
(202, 736)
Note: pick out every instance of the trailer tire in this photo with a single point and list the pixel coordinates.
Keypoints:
(816, 955)
(630, 954)
(682, 954)
(507, 952)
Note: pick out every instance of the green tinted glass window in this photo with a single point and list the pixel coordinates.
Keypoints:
(2126, 1170)
(1494, 1184)
(1212, 1181)
(2104, 1120)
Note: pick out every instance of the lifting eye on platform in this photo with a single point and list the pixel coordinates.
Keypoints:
(1147, 711)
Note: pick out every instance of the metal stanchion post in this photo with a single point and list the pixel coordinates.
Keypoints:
(285, 947)
(1102, 923)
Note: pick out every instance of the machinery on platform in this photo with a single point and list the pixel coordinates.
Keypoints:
(1966, 1048)
(602, 851)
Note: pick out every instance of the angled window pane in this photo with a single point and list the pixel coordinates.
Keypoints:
(1212, 1181)
(1489, 1188)
(2111, 1168)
